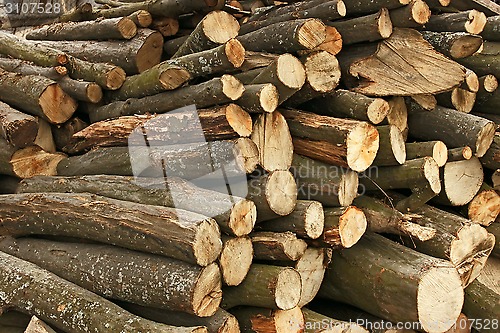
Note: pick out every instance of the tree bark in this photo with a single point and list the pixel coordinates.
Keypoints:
(275, 246)
(17, 128)
(359, 7)
(392, 149)
(485, 207)
(367, 28)
(216, 91)
(36, 95)
(267, 286)
(435, 149)
(234, 215)
(42, 289)
(420, 175)
(258, 320)
(471, 21)
(8, 184)
(113, 28)
(467, 245)
(490, 31)
(413, 15)
(171, 232)
(482, 304)
(62, 133)
(347, 104)
(259, 98)
(215, 28)
(167, 26)
(491, 159)
(382, 218)
(235, 259)
(274, 194)
(108, 76)
(306, 221)
(333, 186)
(454, 44)
(488, 102)
(141, 18)
(274, 142)
(343, 142)
(344, 226)
(38, 326)
(125, 275)
(494, 229)
(395, 283)
(378, 67)
(468, 130)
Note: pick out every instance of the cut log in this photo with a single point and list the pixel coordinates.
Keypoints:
(235, 259)
(483, 304)
(216, 91)
(368, 28)
(346, 104)
(190, 237)
(425, 101)
(485, 207)
(332, 44)
(274, 194)
(215, 28)
(488, 102)
(266, 286)
(36, 95)
(134, 56)
(324, 10)
(73, 303)
(462, 325)
(468, 130)
(259, 98)
(284, 246)
(17, 128)
(460, 182)
(392, 150)
(460, 154)
(8, 184)
(413, 15)
(221, 322)
(217, 123)
(274, 142)
(491, 159)
(175, 285)
(77, 89)
(18, 48)
(343, 142)
(356, 8)
(287, 73)
(171, 74)
(62, 133)
(141, 18)
(471, 21)
(494, 229)
(406, 278)
(459, 99)
(113, 28)
(106, 75)
(333, 186)
(454, 44)
(382, 218)
(420, 175)
(167, 26)
(490, 31)
(44, 138)
(344, 226)
(467, 245)
(379, 67)
(398, 114)
(234, 215)
(306, 220)
(258, 320)
(484, 61)
(38, 326)
(435, 149)
(487, 84)
(318, 323)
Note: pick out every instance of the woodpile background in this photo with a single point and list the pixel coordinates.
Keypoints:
(364, 135)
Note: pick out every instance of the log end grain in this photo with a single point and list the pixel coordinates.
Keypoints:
(150, 52)
(362, 146)
(314, 220)
(462, 180)
(94, 92)
(485, 207)
(440, 298)
(219, 27)
(431, 174)
(465, 46)
(207, 244)
(20, 132)
(242, 218)
(348, 188)
(384, 23)
(290, 71)
(281, 192)
(207, 293)
(127, 28)
(57, 106)
(470, 250)
(143, 18)
(235, 260)
(115, 78)
(269, 97)
(352, 226)
(420, 12)
(232, 87)
(288, 289)
(440, 153)
(397, 144)
(173, 77)
(281, 321)
(489, 83)
(477, 21)
(323, 71)
(485, 138)
(311, 33)
(463, 100)
(341, 8)
(235, 52)
(378, 110)
(239, 120)
(247, 155)
(33, 161)
(495, 179)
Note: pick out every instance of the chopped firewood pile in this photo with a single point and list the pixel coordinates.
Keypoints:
(211, 166)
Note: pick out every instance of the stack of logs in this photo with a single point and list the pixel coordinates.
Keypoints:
(338, 172)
